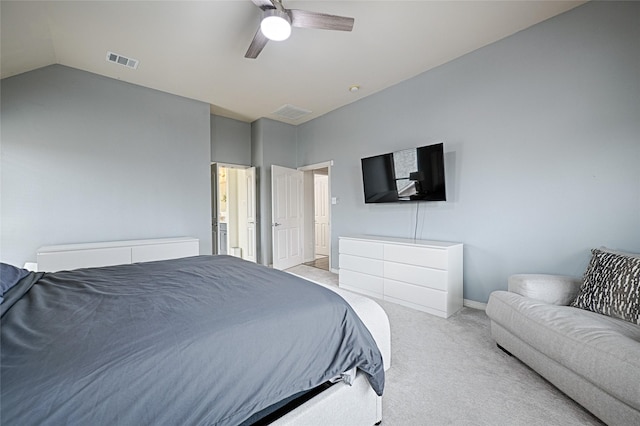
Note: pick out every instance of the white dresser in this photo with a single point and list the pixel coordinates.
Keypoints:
(73, 256)
(420, 274)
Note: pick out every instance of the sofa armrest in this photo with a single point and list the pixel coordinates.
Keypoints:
(552, 289)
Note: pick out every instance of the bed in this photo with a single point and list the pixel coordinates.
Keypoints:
(198, 340)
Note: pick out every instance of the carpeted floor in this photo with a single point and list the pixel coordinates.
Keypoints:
(450, 372)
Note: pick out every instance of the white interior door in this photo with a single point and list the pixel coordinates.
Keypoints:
(321, 208)
(287, 216)
(250, 182)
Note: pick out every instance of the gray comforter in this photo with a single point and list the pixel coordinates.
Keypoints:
(206, 340)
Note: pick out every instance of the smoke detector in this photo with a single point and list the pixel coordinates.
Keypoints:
(116, 58)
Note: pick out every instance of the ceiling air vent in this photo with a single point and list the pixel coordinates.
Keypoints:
(122, 60)
(291, 112)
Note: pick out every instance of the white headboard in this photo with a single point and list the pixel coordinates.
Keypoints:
(73, 256)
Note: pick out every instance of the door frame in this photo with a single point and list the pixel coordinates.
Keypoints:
(215, 207)
(215, 204)
(323, 165)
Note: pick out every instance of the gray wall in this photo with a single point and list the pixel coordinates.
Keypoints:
(230, 141)
(88, 158)
(541, 134)
(272, 142)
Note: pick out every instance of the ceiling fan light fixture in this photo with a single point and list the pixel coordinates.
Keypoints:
(276, 25)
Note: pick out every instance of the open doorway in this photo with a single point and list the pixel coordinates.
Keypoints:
(233, 210)
(317, 215)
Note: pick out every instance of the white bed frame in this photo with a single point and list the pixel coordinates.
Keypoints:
(341, 404)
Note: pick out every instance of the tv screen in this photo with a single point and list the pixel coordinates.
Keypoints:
(415, 174)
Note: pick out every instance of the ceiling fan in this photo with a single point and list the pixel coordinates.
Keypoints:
(277, 22)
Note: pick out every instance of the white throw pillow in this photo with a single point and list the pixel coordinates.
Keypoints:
(553, 289)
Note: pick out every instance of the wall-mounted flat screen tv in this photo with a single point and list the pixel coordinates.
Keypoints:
(415, 174)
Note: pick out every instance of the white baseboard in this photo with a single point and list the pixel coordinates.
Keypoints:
(475, 305)
(335, 271)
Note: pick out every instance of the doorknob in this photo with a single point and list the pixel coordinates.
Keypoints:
(276, 224)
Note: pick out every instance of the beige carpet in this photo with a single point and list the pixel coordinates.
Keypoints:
(450, 372)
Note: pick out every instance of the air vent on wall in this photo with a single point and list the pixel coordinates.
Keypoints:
(122, 60)
(291, 112)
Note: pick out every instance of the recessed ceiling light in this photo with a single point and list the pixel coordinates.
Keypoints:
(354, 88)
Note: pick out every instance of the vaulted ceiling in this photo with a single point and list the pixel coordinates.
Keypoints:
(196, 49)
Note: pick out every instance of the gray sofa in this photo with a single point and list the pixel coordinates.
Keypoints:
(593, 358)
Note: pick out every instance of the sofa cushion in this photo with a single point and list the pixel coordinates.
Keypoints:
(554, 289)
(601, 349)
(611, 285)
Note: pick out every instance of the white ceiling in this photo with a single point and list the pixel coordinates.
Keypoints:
(196, 49)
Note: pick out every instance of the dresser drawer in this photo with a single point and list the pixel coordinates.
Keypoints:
(417, 295)
(418, 275)
(361, 248)
(361, 264)
(368, 283)
(420, 256)
(73, 259)
(151, 252)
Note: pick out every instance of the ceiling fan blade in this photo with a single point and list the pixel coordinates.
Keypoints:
(320, 21)
(264, 4)
(257, 44)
